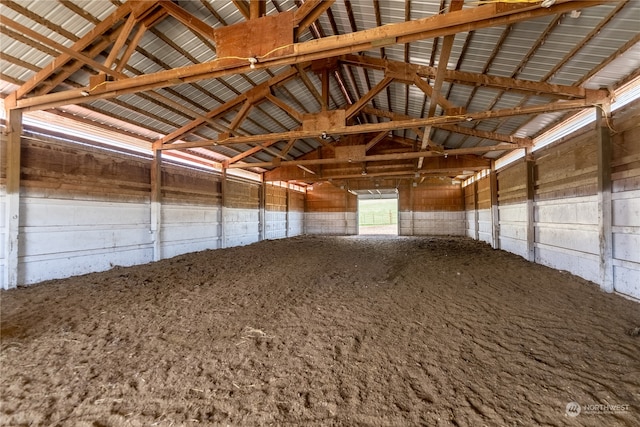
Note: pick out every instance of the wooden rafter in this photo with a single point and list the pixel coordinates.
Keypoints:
(285, 107)
(491, 14)
(308, 13)
(360, 103)
(226, 107)
(243, 7)
(188, 20)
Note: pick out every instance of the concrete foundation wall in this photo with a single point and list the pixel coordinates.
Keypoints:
(626, 204)
(61, 238)
(331, 223)
(513, 228)
(440, 223)
(241, 226)
(3, 236)
(566, 235)
(189, 228)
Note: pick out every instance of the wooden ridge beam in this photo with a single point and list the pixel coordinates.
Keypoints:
(488, 15)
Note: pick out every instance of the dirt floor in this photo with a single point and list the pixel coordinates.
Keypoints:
(365, 331)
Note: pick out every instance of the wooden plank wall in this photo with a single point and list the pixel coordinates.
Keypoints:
(276, 212)
(433, 207)
(330, 210)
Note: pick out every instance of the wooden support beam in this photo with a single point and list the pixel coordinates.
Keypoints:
(288, 147)
(309, 84)
(522, 142)
(131, 47)
(286, 107)
(360, 103)
(406, 72)
(12, 199)
(380, 157)
(257, 8)
(476, 214)
(104, 26)
(246, 107)
(308, 13)
(428, 90)
(249, 152)
(66, 52)
(224, 108)
(325, 88)
(445, 53)
(530, 212)
(223, 209)
(120, 41)
(188, 20)
(396, 124)
(156, 204)
(605, 207)
(489, 15)
(379, 137)
(243, 7)
(495, 213)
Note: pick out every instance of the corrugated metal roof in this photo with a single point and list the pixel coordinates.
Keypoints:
(534, 50)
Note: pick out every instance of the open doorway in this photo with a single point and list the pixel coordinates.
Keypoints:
(378, 212)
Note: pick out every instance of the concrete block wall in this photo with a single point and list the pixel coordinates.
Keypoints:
(67, 237)
(331, 223)
(189, 228)
(626, 202)
(437, 223)
(3, 233)
(566, 235)
(512, 209)
(566, 222)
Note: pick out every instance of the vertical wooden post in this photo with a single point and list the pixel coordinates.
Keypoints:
(346, 212)
(257, 8)
(531, 193)
(476, 216)
(287, 203)
(411, 207)
(495, 213)
(325, 89)
(156, 204)
(262, 218)
(223, 208)
(604, 199)
(12, 198)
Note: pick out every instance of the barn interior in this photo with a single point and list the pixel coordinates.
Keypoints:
(225, 148)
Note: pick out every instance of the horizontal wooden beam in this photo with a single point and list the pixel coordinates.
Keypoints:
(386, 126)
(382, 157)
(488, 15)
